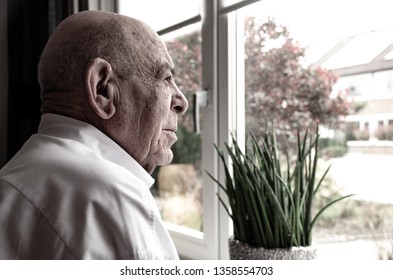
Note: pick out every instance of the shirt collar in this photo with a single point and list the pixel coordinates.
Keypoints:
(90, 136)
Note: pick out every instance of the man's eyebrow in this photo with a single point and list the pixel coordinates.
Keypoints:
(165, 66)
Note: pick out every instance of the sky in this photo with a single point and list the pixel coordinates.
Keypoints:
(160, 13)
(316, 24)
(321, 24)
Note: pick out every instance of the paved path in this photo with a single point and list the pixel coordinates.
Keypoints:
(370, 176)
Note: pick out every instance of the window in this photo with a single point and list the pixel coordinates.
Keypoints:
(183, 191)
(383, 81)
(239, 75)
(358, 86)
(179, 184)
(160, 14)
(280, 45)
(206, 237)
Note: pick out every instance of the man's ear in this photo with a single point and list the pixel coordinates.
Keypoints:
(100, 88)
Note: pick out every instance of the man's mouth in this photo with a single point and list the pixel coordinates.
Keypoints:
(171, 131)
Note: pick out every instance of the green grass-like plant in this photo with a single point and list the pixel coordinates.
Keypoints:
(271, 206)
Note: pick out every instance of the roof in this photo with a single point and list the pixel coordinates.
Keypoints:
(362, 53)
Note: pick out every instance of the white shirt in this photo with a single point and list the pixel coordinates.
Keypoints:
(73, 193)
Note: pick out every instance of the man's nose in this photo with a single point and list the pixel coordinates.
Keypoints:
(179, 102)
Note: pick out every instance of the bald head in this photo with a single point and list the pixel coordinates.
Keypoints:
(115, 73)
(85, 36)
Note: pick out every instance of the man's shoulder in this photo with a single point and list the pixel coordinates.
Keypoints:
(79, 194)
(25, 232)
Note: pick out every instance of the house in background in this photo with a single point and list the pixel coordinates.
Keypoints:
(364, 63)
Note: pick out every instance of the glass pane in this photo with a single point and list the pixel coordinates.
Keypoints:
(355, 112)
(178, 188)
(357, 86)
(384, 84)
(226, 3)
(160, 14)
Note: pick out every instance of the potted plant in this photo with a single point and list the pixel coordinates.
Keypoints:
(271, 203)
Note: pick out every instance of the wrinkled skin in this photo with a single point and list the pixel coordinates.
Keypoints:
(152, 105)
(139, 112)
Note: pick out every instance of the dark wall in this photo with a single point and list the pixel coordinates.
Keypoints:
(30, 23)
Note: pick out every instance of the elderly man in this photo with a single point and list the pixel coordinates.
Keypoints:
(79, 188)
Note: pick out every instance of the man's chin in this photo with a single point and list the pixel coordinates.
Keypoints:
(166, 158)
